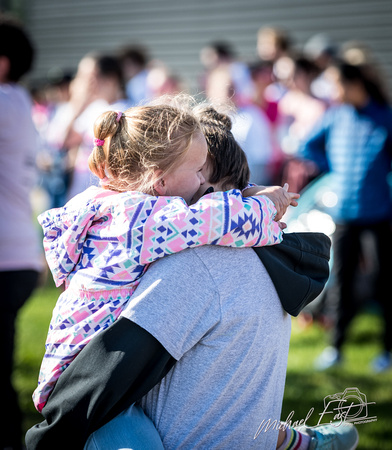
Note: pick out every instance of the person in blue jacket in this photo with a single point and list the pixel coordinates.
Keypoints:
(353, 141)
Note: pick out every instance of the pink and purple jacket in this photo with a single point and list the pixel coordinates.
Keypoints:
(101, 242)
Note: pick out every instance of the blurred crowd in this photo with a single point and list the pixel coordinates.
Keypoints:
(275, 101)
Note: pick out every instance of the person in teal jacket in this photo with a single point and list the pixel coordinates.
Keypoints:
(353, 142)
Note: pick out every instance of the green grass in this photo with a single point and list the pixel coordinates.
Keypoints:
(305, 388)
(32, 327)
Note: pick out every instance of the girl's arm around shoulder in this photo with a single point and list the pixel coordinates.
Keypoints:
(220, 218)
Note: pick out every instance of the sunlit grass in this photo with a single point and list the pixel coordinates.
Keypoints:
(306, 388)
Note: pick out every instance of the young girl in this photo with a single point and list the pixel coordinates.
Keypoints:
(102, 241)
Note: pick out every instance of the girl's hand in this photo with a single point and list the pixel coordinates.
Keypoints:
(280, 197)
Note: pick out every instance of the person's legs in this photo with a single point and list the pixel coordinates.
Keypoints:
(346, 249)
(16, 288)
(382, 233)
(131, 429)
(340, 296)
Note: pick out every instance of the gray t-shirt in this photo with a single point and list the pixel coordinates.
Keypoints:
(216, 311)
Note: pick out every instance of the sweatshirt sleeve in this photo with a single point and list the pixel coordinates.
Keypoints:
(64, 236)
(220, 218)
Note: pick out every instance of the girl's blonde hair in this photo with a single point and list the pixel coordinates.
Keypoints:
(142, 140)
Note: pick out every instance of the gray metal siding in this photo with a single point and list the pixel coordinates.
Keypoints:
(175, 30)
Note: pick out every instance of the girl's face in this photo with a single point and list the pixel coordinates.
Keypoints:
(185, 180)
(206, 172)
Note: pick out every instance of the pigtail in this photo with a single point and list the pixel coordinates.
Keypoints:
(105, 128)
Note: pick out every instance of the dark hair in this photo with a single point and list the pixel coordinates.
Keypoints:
(136, 53)
(367, 77)
(223, 49)
(16, 46)
(260, 65)
(305, 65)
(108, 66)
(229, 164)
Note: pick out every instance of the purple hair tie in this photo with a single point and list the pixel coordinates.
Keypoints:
(99, 142)
(119, 115)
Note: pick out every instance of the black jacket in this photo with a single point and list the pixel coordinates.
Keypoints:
(121, 364)
(298, 267)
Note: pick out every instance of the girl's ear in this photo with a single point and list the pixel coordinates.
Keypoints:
(159, 184)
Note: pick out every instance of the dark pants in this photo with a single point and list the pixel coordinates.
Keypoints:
(16, 288)
(347, 254)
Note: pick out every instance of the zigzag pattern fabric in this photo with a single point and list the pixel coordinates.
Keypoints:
(101, 242)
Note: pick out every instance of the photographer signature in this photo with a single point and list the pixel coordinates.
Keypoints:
(351, 405)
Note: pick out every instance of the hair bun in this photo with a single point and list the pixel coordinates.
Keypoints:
(209, 115)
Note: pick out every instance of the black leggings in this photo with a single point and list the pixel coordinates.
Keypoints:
(346, 254)
(16, 288)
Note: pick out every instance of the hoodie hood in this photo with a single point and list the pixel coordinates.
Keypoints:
(65, 230)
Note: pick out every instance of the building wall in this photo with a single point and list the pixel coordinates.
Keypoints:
(175, 30)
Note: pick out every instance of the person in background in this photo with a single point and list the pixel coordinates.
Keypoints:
(298, 107)
(134, 60)
(97, 87)
(251, 127)
(273, 43)
(321, 50)
(52, 159)
(357, 53)
(220, 56)
(353, 142)
(20, 256)
(299, 111)
(162, 81)
(263, 78)
(212, 56)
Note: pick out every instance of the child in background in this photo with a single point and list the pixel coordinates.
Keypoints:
(103, 240)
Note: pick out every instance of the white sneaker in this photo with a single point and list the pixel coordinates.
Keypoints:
(330, 357)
